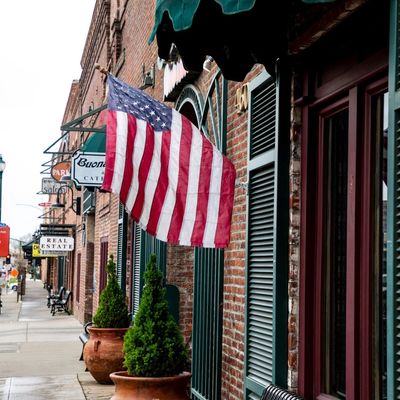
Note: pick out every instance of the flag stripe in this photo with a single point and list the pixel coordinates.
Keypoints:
(152, 179)
(192, 190)
(181, 191)
(138, 149)
(128, 171)
(120, 151)
(110, 150)
(168, 207)
(143, 173)
(202, 202)
(222, 234)
(213, 199)
(159, 195)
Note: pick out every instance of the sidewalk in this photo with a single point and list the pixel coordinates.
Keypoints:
(39, 353)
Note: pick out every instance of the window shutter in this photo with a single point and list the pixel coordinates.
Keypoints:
(393, 219)
(152, 245)
(263, 120)
(260, 274)
(121, 249)
(103, 263)
(78, 277)
(266, 307)
(137, 270)
(209, 271)
(144, 245)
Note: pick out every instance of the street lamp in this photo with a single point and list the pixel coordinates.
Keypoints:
(2, 168)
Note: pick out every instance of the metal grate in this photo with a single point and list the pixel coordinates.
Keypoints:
(272, 392)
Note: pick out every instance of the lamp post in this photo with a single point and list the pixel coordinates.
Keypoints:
(2, 168)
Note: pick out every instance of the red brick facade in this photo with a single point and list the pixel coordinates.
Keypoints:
(117, 40)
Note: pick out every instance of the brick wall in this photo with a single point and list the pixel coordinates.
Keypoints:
(180, 262)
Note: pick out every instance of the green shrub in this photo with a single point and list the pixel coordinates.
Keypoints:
(153, 346)
(112, 311)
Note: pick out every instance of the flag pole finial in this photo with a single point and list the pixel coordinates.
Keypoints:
(100, 68)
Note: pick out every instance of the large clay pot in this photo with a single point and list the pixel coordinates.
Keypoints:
(138, 388)
(103, 352)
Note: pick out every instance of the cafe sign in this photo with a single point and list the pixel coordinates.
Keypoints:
(56, 243)
(88, 168)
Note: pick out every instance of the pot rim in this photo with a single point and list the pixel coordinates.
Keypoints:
(94, 328)
(124, 375)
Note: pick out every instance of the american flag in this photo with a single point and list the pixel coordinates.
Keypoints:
(171, 179)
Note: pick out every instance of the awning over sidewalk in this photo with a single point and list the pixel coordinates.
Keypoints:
(237, 34)
(96, 143)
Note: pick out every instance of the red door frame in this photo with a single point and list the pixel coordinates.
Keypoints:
(358, 314)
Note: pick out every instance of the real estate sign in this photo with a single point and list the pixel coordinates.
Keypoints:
(56, 244)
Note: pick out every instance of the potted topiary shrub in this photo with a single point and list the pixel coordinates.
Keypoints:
(103, 352)
(155, 354)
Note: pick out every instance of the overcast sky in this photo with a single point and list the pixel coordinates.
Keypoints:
(41, 48)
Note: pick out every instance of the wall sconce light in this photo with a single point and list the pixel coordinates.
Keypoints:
(76, 203)
(148, 78)
(207, 63)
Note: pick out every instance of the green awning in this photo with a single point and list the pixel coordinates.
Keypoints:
(95, 144)
(236, 33)
(181, 12)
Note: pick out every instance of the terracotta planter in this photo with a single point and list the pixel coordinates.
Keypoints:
(138, 388)
(103, 352)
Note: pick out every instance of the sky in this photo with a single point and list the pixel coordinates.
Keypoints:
(41, 47)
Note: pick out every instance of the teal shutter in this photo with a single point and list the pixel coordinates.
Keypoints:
(121, 247)
(137, 270)
(61, 271)
(209, 272)
(393, 219)
(149, 245)
(207, 324)
(144, 245)
(266, 274)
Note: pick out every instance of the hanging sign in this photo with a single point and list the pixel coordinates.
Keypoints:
(88, 168)
(52, 253)
(46, 203)
(56, 243)
(60, 169)
(36, 252)
(51, 186)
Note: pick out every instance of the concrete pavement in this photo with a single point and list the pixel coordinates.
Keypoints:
(39, 353)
